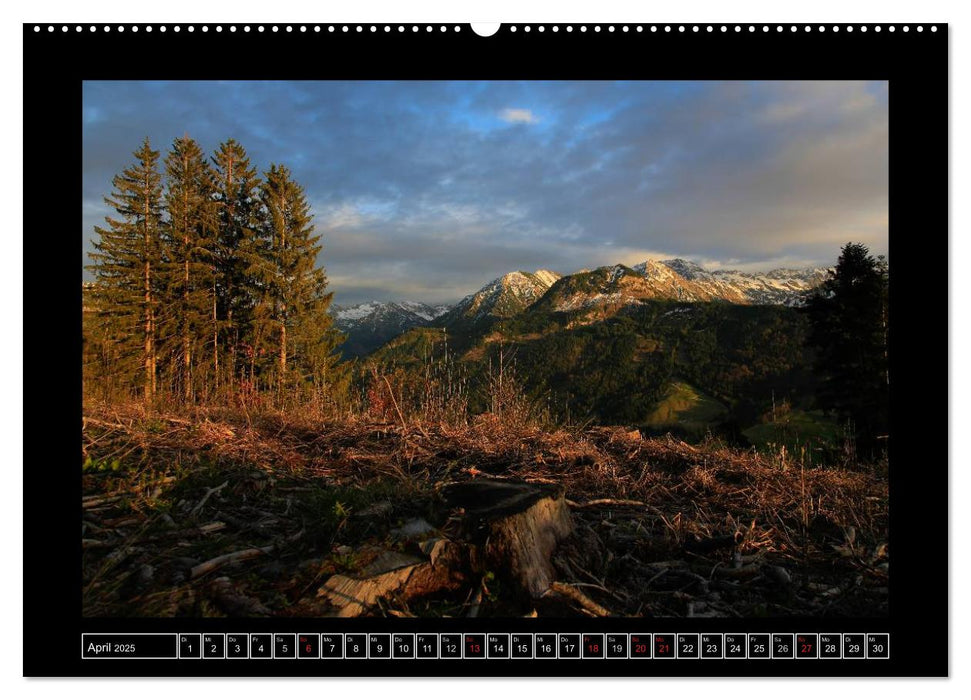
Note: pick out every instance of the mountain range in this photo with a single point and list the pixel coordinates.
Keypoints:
(372, 324)
(369, 326)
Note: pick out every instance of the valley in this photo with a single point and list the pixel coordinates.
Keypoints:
(665, 346)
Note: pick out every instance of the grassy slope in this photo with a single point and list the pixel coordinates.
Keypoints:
(686, 407)
(796, 430)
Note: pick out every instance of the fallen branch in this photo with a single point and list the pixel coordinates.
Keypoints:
(205, 498)
(233, 557)
(85, 420)
(572, 593)
(212, 527)
(743, 572)
(476, 602)
(607, 502)
(99, 501)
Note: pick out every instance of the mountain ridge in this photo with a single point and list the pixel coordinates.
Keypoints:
(371, 324)
(502, 297)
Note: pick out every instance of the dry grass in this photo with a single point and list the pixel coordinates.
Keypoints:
(653, 515)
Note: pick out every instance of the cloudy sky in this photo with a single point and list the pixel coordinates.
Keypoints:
(428, 190)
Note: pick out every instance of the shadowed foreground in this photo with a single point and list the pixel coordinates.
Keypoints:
(221, 514)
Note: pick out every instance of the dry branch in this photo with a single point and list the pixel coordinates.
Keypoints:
(220, 561)
(608, 502)
(574, 594)
(95, 501)
(205, 498)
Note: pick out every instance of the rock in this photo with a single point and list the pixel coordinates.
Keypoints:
(778, 574)
(144, 575)
(234, 602)
(416, 527)
(388, 561)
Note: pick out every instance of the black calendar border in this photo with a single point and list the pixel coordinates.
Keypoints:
(916, 66)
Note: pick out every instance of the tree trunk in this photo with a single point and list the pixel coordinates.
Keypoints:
(283, 350)
(215, 332)
(510, 529)
(149, 378)
(513, 528)
(186, 341)
(149, 319)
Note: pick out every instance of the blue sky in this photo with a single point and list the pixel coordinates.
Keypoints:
(428, 190)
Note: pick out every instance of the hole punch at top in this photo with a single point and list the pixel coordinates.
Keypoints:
(485, 28)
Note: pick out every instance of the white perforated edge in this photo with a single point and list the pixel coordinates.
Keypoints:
(512, 28)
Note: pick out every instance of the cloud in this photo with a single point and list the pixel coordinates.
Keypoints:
(515, 115)
(420, 192)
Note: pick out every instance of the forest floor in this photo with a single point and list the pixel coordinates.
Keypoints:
(218, 513)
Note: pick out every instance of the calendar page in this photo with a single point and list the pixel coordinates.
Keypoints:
(541, 349)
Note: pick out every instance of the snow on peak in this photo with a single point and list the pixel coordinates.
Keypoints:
(508, 294)
(356, 312)
(651, 269)
(369, 311)
(547, 277)
(686, 268)
(692, 281)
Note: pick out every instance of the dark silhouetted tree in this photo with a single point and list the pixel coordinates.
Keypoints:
(848, 331)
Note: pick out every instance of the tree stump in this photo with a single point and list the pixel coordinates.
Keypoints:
(508, 528)
(512, 528)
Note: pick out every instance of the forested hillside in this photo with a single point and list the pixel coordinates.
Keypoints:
(615, 369)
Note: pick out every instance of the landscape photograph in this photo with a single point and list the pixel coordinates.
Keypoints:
(565, 349)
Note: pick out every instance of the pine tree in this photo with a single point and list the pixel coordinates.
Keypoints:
(848, 321)
(126, 267)
(189, 274)
(295, 298)
(236, 247)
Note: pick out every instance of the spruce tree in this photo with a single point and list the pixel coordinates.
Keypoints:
(848, 329)
(126, 268)
(236, 247)
(295, 298)
(189, 274)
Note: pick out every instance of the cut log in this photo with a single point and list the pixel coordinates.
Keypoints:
(513, 528)
(352, 597)
(389, 574)
(508, 528)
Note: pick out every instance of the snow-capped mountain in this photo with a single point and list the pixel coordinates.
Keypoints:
(370, 325)
(784, 286)
(503, 297)
(348, 316)
(682, 280)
